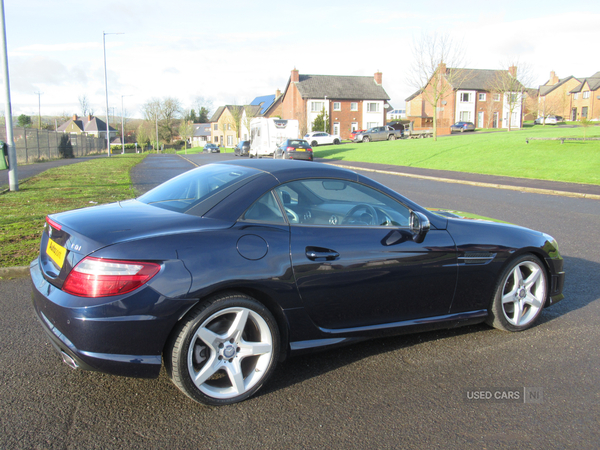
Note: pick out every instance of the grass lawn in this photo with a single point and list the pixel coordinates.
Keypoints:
(502, 153)
(22, 213)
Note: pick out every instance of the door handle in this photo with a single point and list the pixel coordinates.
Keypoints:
(317, 253)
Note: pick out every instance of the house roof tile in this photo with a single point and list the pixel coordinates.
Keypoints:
(340, 87)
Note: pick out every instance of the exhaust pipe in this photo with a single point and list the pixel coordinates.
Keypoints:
(69, 361)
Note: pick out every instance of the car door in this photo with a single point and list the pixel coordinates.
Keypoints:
(356, 270)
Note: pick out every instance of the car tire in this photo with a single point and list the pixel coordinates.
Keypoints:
(336, 142)
(366, 139)
(520, 294)
(224, 350)
(314, 143)
(391, 137)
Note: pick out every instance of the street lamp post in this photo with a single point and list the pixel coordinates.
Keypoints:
(13, 178)
(106, 92)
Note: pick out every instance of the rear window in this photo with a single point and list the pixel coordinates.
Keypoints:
(192, 188)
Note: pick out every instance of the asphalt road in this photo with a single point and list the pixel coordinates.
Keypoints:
(402, 392)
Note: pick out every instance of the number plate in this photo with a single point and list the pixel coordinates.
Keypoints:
(300, 150)
(57, 252)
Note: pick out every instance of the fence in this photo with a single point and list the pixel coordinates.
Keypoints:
(33, 145)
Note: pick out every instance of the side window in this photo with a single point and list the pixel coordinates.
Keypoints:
(265, 209)
(328, 202)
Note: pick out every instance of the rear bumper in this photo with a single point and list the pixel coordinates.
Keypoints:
(123, 336)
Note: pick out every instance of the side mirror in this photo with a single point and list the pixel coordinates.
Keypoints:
(419, 226)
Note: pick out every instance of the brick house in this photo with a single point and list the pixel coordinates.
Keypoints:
(554, 97)
(351, 102)
(585, 99)
(471, 95)
(89, 125)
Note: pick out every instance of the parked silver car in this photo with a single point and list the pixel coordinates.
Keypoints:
(463, 126)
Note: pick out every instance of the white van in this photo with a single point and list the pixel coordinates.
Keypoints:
(267, 133)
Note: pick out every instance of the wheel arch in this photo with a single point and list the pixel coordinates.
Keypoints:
(261, 297)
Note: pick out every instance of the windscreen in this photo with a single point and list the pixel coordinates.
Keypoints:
(191, 188)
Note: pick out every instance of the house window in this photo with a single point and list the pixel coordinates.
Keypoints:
(465, 97)
(354, 106)
(481, 97)
(337, 106)
(575, 95)
(465, 116)
(228, 127)
(586, 94)
(317, 106)
(373, 107)
(584, 111)
(371, 125)
(216, 126)
(354, 126)
(496, 97)
(229, 141)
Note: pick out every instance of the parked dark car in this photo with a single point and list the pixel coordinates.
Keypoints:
(229, 268)
(294, 149)
(242, 149)
(211, 148)
(462, 126)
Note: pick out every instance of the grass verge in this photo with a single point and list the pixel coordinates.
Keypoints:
(502, 153)
(22, 213)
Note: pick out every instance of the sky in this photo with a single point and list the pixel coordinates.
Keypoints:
(233, 51)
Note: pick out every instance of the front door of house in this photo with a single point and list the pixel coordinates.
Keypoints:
(495, 124)
(574, 114)
(480, 116)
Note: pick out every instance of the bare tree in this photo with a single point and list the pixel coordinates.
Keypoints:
(236, 112)
(151, 111)
(170, 109)
(85, 106)
(510, 88)
(438, 66)
(186, 131)
(250, 113)
(143, 135)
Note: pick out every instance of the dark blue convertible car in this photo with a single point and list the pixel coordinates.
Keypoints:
(229, 268)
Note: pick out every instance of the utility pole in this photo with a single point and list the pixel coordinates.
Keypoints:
(13, 179)
(39, 94)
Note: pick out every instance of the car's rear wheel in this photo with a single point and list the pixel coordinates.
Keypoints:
(336, 142)
(520, 294)
(224, 350)
(391, 137)
(314, 143)
(366, 138)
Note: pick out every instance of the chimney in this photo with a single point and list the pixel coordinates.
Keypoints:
(89, 117)
(295, 76)
(442, 68)
(74, 116)
(513, 71)
(378, 77)
(277, 94)
(553, 79)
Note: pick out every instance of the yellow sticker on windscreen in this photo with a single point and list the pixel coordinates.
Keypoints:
(57, 252)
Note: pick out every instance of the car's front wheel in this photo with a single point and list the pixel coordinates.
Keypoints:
(224, 350)
(314, 143)
(520, 294)
(336, 142)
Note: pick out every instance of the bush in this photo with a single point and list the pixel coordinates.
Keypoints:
(65, 148)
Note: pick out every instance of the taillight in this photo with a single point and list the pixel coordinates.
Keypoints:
(309, 149)
(290, 149)
(57, 226)
(95, 277)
